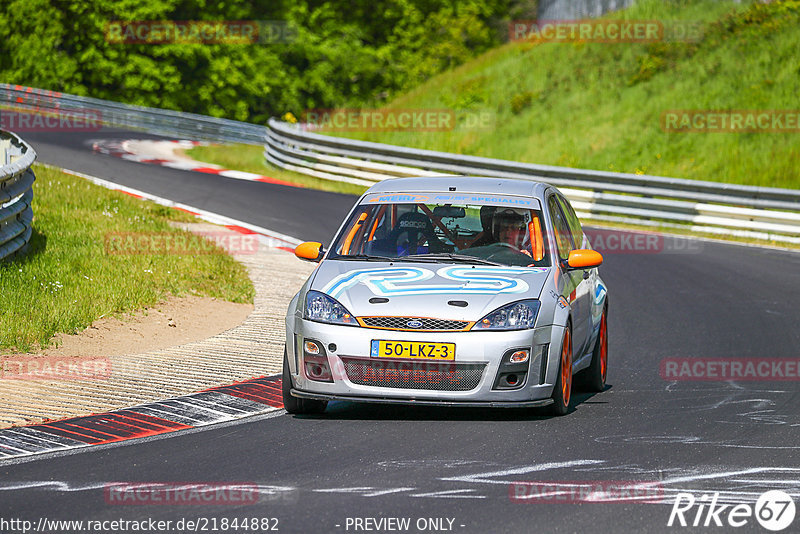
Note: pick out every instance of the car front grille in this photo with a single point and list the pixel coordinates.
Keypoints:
(401, 323)
(414, 375)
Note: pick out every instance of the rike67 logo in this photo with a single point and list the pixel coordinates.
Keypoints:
(774, 510)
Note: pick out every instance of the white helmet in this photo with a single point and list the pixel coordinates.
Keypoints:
(504, 217)
(516, 218)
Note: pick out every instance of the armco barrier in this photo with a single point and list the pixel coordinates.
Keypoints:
(154, 120)
(711, 207)
(16, 194)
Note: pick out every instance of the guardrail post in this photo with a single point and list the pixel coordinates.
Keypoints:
(5, 156)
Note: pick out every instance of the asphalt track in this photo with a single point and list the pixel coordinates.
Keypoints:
(738, 438)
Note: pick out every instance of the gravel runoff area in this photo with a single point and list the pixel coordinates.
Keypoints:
(252, 349)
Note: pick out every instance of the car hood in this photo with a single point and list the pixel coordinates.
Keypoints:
(424, 289)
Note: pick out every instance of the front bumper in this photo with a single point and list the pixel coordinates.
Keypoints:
(422, 402)
(485, 349)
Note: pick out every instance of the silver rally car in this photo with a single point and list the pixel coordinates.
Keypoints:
(449, 291)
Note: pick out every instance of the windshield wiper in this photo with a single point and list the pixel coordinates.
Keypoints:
(462, 258)
(362, 257)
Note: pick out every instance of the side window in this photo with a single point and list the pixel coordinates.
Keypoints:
(572, 221)
(561, 228)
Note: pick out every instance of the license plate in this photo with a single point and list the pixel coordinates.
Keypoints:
(413, 349)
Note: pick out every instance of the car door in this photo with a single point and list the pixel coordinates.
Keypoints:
(584, 293)
(575, 289)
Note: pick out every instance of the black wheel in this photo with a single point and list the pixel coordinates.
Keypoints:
(293, 404)
(562, 391)
(594, 377)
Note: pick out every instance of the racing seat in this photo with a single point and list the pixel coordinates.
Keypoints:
(410, 236)
(485, 237)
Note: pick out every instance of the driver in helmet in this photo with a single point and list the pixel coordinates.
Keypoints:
(508, 227)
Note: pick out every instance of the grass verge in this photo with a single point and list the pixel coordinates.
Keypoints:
(67, 279)
(600, 105)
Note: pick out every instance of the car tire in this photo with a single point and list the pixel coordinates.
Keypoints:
(562, 391)
(296, 405)
(593, 378)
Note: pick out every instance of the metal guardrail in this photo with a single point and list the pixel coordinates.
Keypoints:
(159, 121)
(16, 194)
(710, 207)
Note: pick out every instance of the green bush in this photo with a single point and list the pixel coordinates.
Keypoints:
(597, 105)
(345, 53)
(520, 101)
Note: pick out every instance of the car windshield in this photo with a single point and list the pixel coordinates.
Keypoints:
(449, 233)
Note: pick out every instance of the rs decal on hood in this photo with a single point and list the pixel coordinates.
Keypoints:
(396, 281)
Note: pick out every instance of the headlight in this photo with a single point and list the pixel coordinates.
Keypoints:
(515, 316)
(324, 309)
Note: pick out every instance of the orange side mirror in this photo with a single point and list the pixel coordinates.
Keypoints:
(309, 251)
(584, 259)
